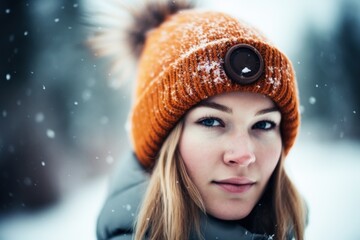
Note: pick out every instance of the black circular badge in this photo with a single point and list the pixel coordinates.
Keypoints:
(243, 64)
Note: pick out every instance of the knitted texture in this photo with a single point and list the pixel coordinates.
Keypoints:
(182, 64)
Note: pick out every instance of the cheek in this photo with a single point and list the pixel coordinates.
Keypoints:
(268, 156)
(195, 152)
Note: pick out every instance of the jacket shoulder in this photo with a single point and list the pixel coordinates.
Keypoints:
(128, 184)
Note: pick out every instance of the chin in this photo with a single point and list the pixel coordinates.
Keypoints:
(230, 215)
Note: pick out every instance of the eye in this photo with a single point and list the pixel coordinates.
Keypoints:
(264, 125)
(210, 122)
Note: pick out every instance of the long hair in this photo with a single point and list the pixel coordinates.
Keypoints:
(172, 204)
(290, 211)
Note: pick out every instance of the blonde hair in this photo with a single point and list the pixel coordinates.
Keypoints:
(290, 211)
(172, 204)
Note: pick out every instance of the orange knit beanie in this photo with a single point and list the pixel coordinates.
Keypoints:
(193, 55)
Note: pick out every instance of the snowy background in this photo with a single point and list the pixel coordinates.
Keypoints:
(62, 121)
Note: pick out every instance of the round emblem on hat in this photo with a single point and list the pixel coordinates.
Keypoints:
(243, 64)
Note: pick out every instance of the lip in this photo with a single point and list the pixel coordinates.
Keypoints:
(235, 185)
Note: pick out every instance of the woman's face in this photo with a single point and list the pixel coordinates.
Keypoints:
(231, 145)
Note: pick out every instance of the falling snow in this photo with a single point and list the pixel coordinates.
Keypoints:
(109, 159)
(8, 76)
(50, 133)
(39, 117)
(312, 100)
(127, 207)
(271, 237)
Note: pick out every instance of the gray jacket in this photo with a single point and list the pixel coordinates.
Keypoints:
(127, 187)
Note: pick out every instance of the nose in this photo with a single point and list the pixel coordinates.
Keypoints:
(240, 152)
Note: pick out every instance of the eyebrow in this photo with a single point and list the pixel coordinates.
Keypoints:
(226, 109)
(215, 106)
(267, 110)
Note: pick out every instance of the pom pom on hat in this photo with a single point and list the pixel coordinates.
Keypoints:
(148, 17)
(120, 33)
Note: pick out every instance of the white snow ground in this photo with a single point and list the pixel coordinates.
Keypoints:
(73, 218)
(327, 174)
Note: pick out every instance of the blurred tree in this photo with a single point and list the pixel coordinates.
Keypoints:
(330, 73)
(60, 123)
(19, 176)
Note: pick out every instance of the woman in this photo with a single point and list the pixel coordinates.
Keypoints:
(215, 114)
